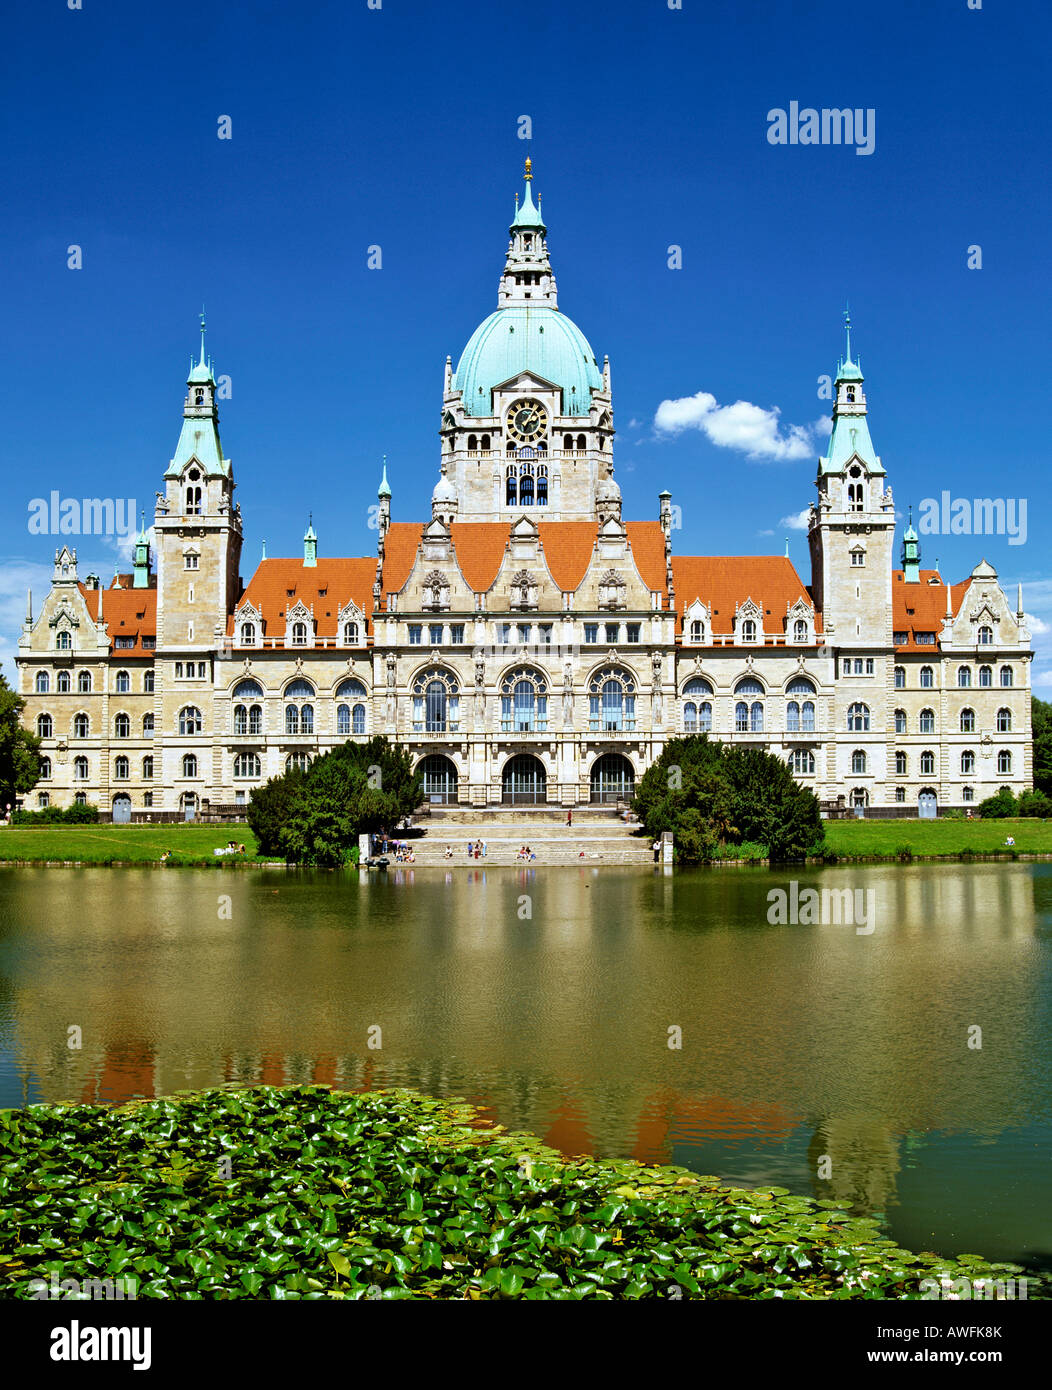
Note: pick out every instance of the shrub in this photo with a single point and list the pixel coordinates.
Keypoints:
(57, 815)
(999, 806)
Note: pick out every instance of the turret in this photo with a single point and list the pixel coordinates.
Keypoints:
(911, 554)
(310, 546)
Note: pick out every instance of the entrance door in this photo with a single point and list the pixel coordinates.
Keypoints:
(927, 805)
(524, 782)
(189, 806)
(440, 780)
(121, 810)
(613, 779)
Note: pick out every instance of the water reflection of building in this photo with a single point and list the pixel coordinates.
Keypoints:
(557, 1023)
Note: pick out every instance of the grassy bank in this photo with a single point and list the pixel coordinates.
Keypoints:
(310, 1193)
(850, 838)
(130, 844)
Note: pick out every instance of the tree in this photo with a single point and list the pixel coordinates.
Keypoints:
(19, 749)
(1042, 725)
(712, 795)
(317, 816)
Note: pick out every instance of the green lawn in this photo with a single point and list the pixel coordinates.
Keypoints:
(855, 837)
(140, 844)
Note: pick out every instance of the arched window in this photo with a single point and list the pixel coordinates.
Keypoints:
(473, 441)
(582, 442)
(964, 677)
(240, 719)
(299, 634)
(967, 721)
(297, 762)
(802, 719)
(484, 443)
(855, 497)
(986, 636)
(247, 765)
(927, 678)
(248, 634)
(1004, 761)
(986, 676)
(80, 769)
(967, 762)
(741, 717)
(350, 633)
(189, 765)
(80, 726)
(612, 701)
(123, 683)
(748, 630)
(147, 767)
(567, 441)
(249, 689)
(45, 769)
(695, 631)
(45, 726)
(147, 682)
(436, 702)
(84, 682)
(1004, 721)
(697, 712)
(900, 764)
(120, 769)
(255, 719)
(63, 641)
(511, 492)
(526, 486)
(343, 719)
(64, 683)
(121, 726)
(190, 720)
(858, 760)
(524, 702)
(927, 721)
(43, 683)
(900, 721)
(193, 501)
(358, 719)
(792, 717)
(542, 486)
(802, 761)
(858, 718)
(927, 763)
(799, 630)
(299, 689)
(900, 678)
(351, 689)
(1006, 676)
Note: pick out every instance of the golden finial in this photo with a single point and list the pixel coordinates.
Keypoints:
(529, 166)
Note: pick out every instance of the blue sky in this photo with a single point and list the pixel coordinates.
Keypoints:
(398, 127)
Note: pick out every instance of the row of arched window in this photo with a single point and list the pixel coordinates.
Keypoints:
(300, 636)
(64, 683)
(926, 721)
(1006, 678)
(747, 631)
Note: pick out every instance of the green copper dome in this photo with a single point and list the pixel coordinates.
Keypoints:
(534, 338)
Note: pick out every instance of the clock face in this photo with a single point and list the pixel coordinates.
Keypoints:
(527, 421)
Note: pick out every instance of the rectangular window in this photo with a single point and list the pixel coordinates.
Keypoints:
(545, 631)
(858, 666)
(124, 643)
(633, 631)
(456, 633)
(900, 793)
(869, 665)
(847, 666)
(504, 633)
(925, 639)
(901, 638)
(416, 633)
(178, 668)
(202, 670)
(149, 643)
(612, 631)
(591, 632)
(434, 634)
(524, 632)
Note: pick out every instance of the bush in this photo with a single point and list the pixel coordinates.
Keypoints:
(998, 807)
(1028, 804)
(270, 808)
(57, 815)
(715, 797)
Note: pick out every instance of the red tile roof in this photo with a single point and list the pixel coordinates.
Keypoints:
(922, 607)
(127, 612)
(341, 580)
(724, 581)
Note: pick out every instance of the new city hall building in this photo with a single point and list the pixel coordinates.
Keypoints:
(527, 642)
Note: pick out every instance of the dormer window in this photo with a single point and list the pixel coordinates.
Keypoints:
(299, 634)
(748, 630)
(350, 633)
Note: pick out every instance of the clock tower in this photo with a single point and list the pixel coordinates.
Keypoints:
(527, 422)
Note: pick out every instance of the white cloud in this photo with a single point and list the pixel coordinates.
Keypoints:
(1037, 625)
(798, 520)
(823, 426)
(1042, 678)
(635, 424)
(752, 430)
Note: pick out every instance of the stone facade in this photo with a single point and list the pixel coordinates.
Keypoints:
(526, 643)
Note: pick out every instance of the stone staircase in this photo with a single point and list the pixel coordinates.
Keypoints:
(597, 836)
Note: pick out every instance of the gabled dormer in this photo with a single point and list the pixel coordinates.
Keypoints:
(697, 624)
(299, 625)
(748, 623)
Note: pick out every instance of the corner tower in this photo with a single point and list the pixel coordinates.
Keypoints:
(852, 523)
(527, 422)
(197, 527)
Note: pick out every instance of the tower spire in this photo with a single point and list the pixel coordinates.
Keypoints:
(202, 362)
(527, 269)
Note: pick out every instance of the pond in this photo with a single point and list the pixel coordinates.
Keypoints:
(900, 1061)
